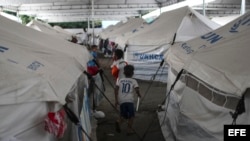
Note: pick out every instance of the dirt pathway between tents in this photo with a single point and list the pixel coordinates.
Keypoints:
(146, 122)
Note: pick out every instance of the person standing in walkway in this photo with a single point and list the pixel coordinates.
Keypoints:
(106, 46)
(124, 97)
(118, 64)
(93, 65)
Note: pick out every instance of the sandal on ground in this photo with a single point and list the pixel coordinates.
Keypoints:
(117, 127)
(130, 133)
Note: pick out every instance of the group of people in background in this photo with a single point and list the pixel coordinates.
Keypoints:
(125, 85)
(107, 47)
(84, 38)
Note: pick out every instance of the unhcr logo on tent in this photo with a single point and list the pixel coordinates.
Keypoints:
(3, 49)
(35, 65)
(187, 48)
(147, 57)
(241, 22)
(212, 37)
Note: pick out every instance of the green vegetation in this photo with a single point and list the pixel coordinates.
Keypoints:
(83, 24)
(26, 19)
(9, 12)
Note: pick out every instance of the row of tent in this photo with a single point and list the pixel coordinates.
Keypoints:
(56, 31)
(207, 70)
(38, 72)
(145, 44)
(212, 87)
(82, 38)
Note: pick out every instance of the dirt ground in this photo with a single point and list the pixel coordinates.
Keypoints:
(146, 124)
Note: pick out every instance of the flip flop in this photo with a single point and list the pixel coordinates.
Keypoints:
(117, 127)
(130, 133)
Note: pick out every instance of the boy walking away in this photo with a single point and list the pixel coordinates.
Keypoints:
(124, 96)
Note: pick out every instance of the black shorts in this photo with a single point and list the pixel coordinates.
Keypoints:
(127, 110)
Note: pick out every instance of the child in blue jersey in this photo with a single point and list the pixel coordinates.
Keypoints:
(124, 96)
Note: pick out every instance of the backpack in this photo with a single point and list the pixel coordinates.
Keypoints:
(115, 70)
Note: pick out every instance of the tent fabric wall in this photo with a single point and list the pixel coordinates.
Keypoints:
(104, 34)
(46, 28)
(178, 54)
(129, 25)
(146, 60)
(121, 40)
(32, 70)
(162, 30)
(48, 41)
(170, 27)
(37, 72)
(217, 61)
(62, 31)
(29, 125)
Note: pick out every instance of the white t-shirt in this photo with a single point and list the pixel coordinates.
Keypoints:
(126, 89)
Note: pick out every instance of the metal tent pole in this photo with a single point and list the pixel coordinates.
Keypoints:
(243, 7)
(204, 8)
(93, 23)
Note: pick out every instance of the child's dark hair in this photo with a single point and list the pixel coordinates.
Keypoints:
(94, 46)
(129, 70)
(119, 53)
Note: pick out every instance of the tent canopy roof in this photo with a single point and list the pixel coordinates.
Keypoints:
(81, 10)
(185, 22)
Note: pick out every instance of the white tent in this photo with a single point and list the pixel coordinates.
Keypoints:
(216, 76)
(61, 30)
(104, 34)
(51, 42)
(46, 28)
(145, 50)
(224, 20)
(126, 27)
(37, 72)
(121, 40)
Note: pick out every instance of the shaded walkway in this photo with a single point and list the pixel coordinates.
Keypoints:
(146, 119)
